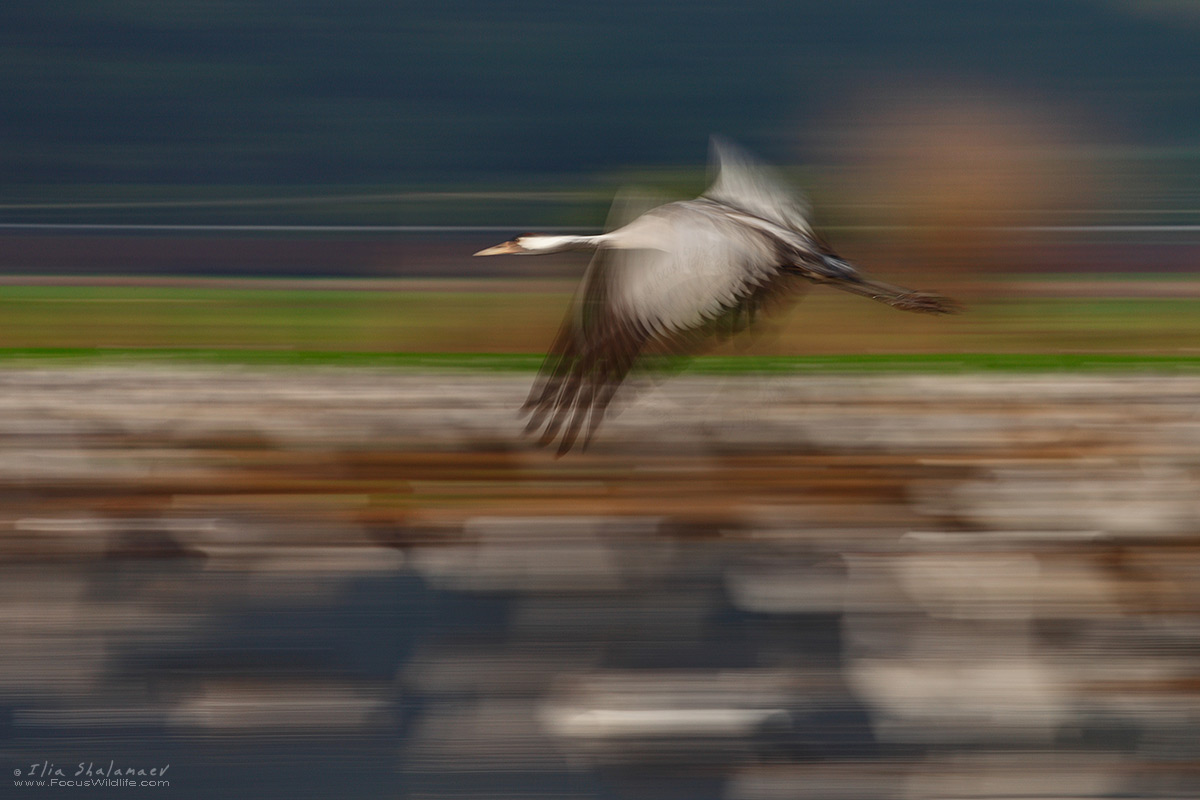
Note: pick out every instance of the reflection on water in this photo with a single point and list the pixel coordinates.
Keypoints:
(356, 583)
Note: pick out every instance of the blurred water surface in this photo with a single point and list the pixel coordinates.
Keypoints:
(352, 582)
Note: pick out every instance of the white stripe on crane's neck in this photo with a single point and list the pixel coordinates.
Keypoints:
(547, 243)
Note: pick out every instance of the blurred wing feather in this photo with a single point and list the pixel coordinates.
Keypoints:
(743, 183)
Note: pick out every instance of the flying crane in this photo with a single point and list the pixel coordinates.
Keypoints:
(676, 276)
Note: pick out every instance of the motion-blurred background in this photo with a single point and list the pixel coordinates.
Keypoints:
(265, 511)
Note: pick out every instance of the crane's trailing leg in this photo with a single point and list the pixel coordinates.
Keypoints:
(841, 274)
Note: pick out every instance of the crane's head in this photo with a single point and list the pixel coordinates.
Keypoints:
(524, 243)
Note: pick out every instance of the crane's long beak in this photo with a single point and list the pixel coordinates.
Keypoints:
(504, 248)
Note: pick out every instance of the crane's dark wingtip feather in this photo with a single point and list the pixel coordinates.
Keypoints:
(550, 433)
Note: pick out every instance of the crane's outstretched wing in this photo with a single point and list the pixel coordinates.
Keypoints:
(670, 280)
(594, 351)
(741, 182)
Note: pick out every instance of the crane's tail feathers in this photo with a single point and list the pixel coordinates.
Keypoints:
(842, 275)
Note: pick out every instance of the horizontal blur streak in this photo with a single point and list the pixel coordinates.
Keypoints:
(370, 95)
(883, 586)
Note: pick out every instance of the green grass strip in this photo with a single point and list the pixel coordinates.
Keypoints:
(522, 362)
